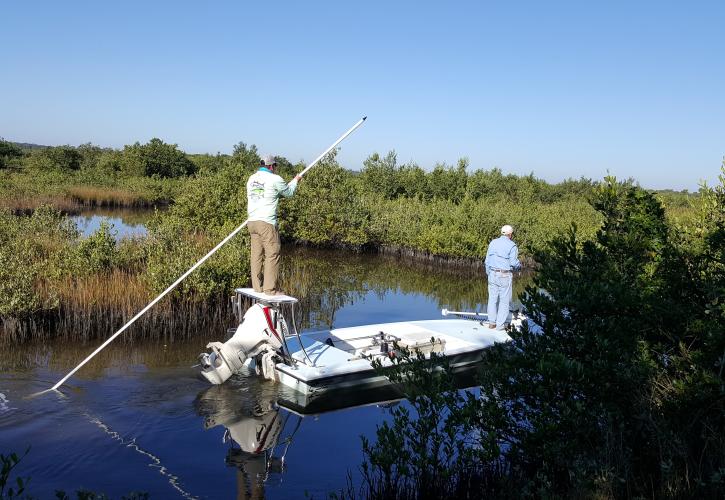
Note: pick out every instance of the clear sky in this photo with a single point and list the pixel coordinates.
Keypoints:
(560, 89)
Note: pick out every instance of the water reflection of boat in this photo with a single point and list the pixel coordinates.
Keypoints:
(257, 432)
(317, 363)
(260, 422)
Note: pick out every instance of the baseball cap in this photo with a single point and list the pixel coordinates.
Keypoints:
(507, 229)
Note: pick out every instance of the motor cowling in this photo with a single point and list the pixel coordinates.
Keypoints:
(256, 333)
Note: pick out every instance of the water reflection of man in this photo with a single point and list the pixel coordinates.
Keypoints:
(502, 259)
(256, 436)
(264, 189)
(253, 425)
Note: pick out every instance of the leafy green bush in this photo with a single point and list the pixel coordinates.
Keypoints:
(156, 158)
(8, 463)
(61, 159)
(28, 247)
(325, 210)
(617, 393)
(98, 252)
(173, 253)
(8, 152)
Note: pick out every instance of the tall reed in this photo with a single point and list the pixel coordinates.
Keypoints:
(95, 196)
(96, 306)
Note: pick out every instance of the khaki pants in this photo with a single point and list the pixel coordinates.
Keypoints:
(265, 250)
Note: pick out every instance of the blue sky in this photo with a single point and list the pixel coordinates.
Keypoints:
(561, 89)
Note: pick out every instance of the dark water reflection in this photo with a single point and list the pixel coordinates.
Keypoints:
(329, 281)
(139, 418)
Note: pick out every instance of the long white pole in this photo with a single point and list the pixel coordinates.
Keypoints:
(342, 137)
(446, 312)
(192, 268)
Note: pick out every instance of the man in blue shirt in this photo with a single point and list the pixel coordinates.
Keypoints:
(502, 259)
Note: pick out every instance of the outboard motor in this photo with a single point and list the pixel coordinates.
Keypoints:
(256, 335)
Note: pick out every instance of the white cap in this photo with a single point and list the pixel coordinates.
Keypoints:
(269, 161)
(507, 229)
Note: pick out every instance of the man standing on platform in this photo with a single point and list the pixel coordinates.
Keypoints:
(264, 188)
(502, 259)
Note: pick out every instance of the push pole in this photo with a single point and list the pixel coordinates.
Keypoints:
(342, 137)
(191, 269)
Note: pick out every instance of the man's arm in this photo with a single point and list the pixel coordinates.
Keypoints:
(284, 189)
(485, 262)
(514, 258)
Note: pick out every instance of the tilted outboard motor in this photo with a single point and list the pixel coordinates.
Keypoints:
(256, 336)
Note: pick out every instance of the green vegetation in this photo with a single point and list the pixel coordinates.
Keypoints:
(68, 178)
(620, 393)
(11, 488)
(8, 152)
(445, 213)
(448, 212)
(55, 281)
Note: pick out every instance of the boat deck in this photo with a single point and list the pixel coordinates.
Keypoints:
(351, 347)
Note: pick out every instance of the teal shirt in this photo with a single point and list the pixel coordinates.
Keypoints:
(263, 192)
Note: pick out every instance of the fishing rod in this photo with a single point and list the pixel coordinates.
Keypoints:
(472, 315)
(191, 269)
(467, 315)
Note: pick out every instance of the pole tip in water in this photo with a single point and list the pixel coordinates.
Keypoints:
(36, 394)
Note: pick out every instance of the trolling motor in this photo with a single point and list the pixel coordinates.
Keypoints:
(257, 337)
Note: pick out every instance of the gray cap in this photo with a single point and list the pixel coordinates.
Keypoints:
(269, 161)
(507, 229)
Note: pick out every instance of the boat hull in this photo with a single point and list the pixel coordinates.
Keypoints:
(325, 368)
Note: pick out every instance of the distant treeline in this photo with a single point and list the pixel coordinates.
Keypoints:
(450, 211)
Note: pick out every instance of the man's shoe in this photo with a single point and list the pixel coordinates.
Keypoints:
(492, 325)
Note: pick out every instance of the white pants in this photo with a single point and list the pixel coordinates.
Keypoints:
(499, 297)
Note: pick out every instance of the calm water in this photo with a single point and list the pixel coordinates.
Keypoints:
(138, 418)
(125, 223)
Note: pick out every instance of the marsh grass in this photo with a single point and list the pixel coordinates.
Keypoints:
(95, 196)
(98, 305)
(76, 199)
(26, 204)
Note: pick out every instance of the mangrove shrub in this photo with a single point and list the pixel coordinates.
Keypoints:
(618, 391)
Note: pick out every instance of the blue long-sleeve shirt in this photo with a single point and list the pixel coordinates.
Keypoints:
(503, 255)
